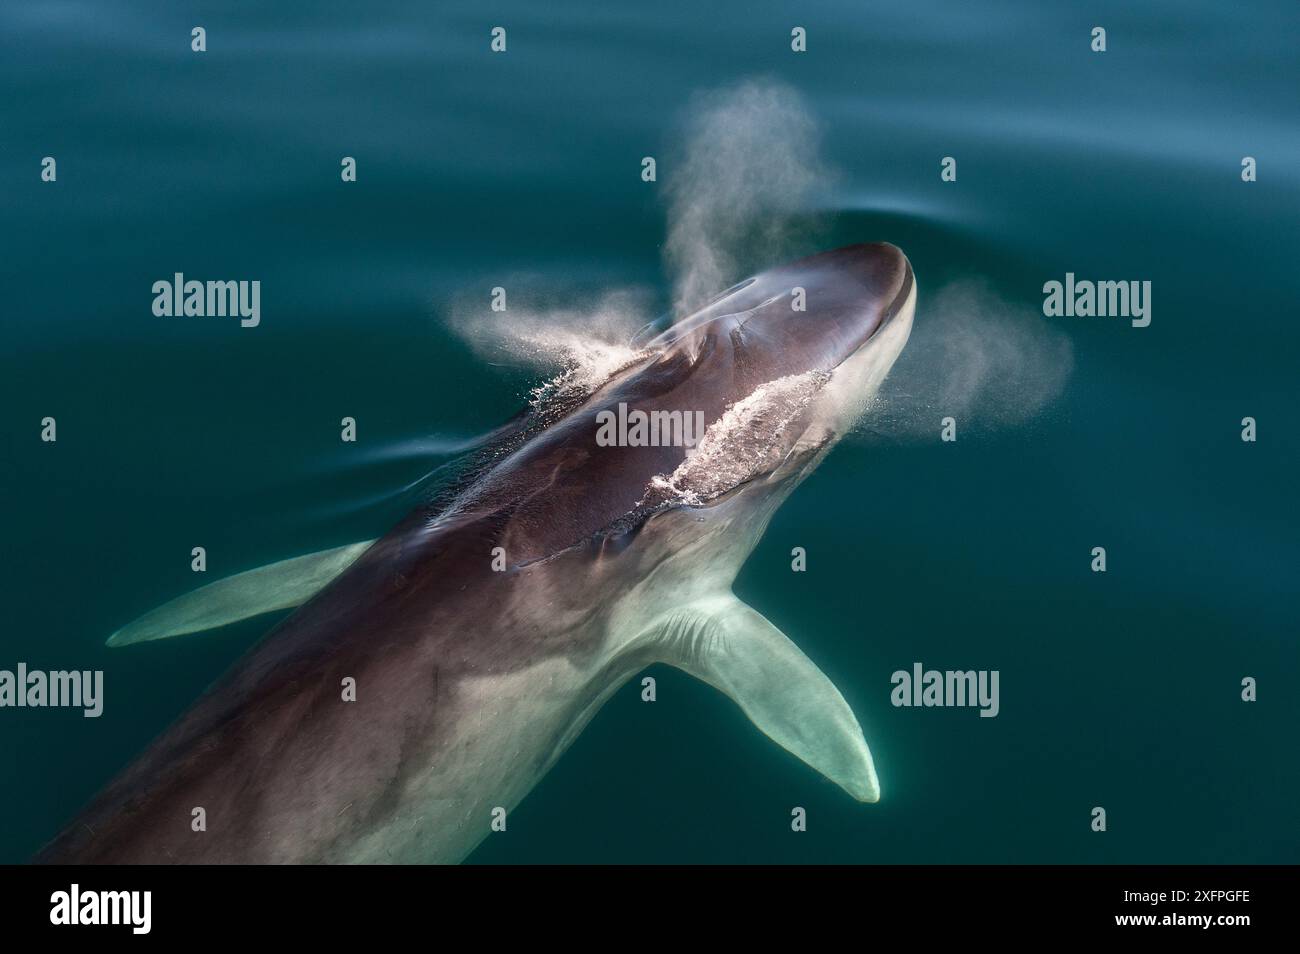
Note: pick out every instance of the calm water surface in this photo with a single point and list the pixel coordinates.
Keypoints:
(1119, 690)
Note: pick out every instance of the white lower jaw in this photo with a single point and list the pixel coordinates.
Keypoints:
(848, 394)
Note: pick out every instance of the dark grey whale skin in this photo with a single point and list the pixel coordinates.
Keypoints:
(288, 772)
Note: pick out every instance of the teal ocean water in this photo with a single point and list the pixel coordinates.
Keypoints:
(523, 170)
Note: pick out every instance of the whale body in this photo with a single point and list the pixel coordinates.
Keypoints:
(482, 636)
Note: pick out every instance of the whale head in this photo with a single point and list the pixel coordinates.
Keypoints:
(748, 391)
(791, 357)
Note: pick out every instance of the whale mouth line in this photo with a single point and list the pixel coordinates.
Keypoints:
(896, 307)
(620, 531)
(900, 300)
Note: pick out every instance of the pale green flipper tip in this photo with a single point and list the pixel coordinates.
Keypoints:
(266, 589)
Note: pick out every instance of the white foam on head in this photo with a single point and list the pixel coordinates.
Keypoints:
(747, 440)
(586, 366)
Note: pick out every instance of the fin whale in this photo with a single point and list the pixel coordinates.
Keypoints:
(484, 635)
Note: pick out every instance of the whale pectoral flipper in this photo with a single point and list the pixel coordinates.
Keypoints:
(734, 648)
(268, 588)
